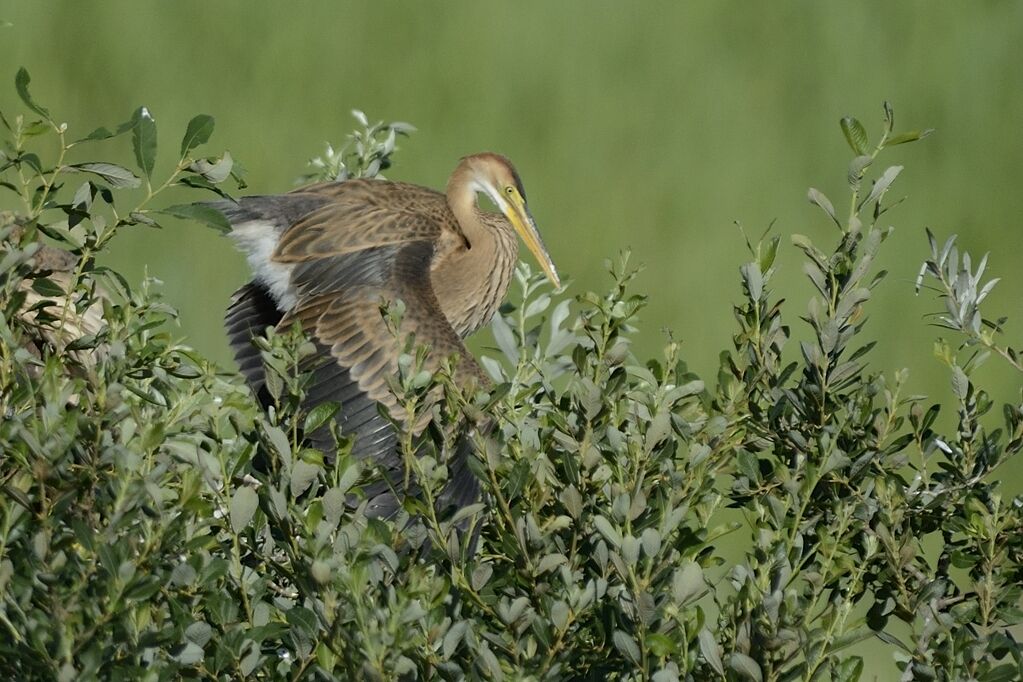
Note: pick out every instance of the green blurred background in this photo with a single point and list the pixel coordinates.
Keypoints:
(652, 126)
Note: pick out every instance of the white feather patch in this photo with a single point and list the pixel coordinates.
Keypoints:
(257, 239)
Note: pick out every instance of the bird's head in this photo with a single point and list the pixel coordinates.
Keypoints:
(494, 176)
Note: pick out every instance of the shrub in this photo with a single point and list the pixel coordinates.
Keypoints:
(137, 540)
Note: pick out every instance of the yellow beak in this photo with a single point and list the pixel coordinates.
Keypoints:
(518, 214)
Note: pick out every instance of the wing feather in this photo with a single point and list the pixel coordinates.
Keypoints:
(251, 311)
(365, 214)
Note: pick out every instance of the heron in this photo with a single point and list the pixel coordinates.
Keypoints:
(330, 256)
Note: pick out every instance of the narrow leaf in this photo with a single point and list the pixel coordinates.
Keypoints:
(201, 213)
(104, 134)
(626, 644)
(143, 140)
(883, 183)
(889, 116)
(767, 255)
(116, 176)
(21, 82)
(817, 198)
(505, 339)
(608, 531)
(711, 651)
(198, 132)
(911, 136)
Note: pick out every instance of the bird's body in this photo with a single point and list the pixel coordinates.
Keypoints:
(331, 256)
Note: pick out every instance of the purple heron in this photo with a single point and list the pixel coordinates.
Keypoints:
(329, 255)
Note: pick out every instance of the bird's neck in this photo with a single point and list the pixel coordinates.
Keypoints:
(462, 199)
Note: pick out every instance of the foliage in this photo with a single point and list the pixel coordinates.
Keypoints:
(138, 541)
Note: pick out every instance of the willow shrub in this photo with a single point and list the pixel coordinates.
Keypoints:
(139, 541)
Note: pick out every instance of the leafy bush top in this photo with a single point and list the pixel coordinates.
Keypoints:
(137, 541)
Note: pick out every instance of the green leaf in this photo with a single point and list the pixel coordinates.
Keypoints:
(319, 415)
(560, 614)
(505, 339)
(104, 134)
(21, 82)
(243, 507)
(572, 500)
(36, 128)
(748, 464)
(1003, 673)
(214, 171)
(202, 213)
(453, 636)
(32, 161)
(817, 198)
(550, 562)
(607, 530)
(320, 570)
(467, 511)
(143, 588)
(960, 383)
(333, 505)
(480, 575)
(627, 645)
(889, 116)
(630, 550)
(687, 583)
(768, 254)
(198, 132)
(856, 169)
(302, 475)
(661, 645)
(116, 176)
(855, 135)
(143, 140)
(882, 184)
(199, 632)
(349, 477)
(189, 655)
(753, 279)
(747, 668)
(651, 542)
(849, 670)
(711, 651)
(47, 287)
(911, 136)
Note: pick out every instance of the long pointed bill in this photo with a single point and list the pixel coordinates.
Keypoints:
(523, 223)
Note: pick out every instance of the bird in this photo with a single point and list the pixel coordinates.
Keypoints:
(331, 256)
(66, 310)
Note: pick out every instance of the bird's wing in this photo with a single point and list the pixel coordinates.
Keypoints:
(349, 327)
(251, 311)
(349, 321)
(365, 214)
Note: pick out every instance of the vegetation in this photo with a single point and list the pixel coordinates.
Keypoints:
(137, 540)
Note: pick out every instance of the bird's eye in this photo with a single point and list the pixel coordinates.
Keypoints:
(509, 190)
